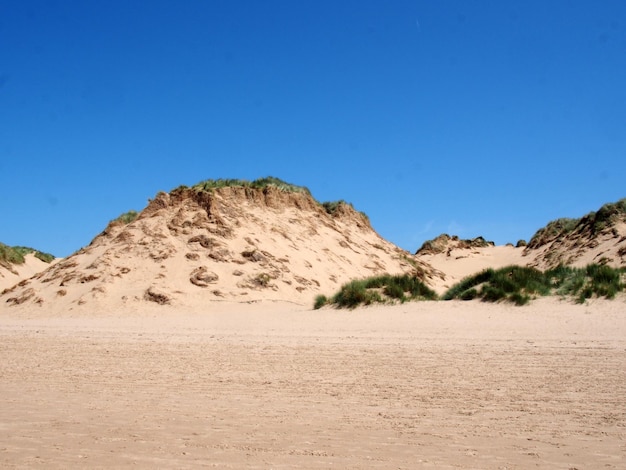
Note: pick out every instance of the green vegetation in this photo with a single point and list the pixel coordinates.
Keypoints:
(16, 255)
(320, 301)
(519, 285)
(606, 216)
(262, 279)
(331, 207)
(126, 218)
(584, 283)
(379, 289)
(9, 255)
(45, 257)
(260, 183)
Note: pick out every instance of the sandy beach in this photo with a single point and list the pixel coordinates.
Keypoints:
(276, 385)
(313, 235)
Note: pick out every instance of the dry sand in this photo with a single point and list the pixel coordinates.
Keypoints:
(273, 385)
(30, 267)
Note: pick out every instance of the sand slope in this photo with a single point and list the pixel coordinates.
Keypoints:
(581, 247)
(18, 272)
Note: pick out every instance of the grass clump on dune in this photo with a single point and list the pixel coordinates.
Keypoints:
(126, 218)
(16, 255)
(380, 289)
(9, 255)
(515, 284)
(584, 283)
(332, 207)
(519, 285)
(260, 183)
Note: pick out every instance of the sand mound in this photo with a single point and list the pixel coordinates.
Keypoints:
(232, 243)
(598, 237)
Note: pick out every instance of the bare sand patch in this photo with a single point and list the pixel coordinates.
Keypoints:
(271, 385)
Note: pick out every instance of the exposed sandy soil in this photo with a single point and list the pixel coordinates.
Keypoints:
(31, 266)
(270, 385)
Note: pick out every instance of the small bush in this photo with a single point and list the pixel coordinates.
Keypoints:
(320, 301)
(381, 289)
(45, 257)
(355, 293)
(262, 279)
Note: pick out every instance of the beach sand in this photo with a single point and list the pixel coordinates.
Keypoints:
(276, 385)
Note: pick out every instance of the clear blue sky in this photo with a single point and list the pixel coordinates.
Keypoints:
(467, 117)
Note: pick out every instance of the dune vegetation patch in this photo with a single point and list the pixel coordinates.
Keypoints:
(10, 255)
(125, 218)
(332, 208)
(379, 289)
(513, 284)
(260, 183)
(519, 285)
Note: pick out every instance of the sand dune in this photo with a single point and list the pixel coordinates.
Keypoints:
(189, 248)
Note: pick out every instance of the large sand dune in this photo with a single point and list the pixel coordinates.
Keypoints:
(191, 247)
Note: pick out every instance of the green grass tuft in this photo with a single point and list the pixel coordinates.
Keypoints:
(320, 301)
(519, 285)
(16, 255)
(126, 218)
(260, 183)
(9, 255)
(381, 289)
